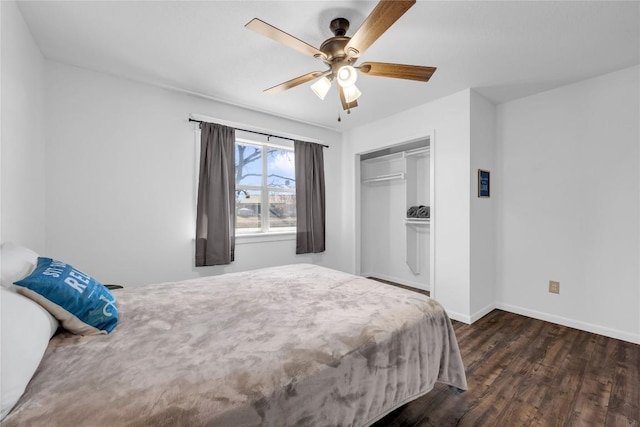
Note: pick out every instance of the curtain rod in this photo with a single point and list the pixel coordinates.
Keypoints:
(261, 133)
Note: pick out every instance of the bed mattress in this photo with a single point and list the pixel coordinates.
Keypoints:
(295, 345)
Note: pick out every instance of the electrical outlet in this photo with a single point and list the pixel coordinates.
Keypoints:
(554, 287)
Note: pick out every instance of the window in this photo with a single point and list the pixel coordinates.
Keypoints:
(265, 188)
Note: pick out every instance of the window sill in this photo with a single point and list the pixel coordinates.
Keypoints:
(242, 239)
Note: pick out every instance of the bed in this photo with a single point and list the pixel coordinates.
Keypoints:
(296, 345)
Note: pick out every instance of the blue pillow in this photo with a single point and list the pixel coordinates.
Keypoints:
(82, 304)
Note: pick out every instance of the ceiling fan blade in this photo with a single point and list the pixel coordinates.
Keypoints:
(384, 15)
(294, 82)
(346, 105)
(397, 71)
(280, 36)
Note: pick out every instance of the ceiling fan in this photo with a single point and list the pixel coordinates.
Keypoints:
(340, 53)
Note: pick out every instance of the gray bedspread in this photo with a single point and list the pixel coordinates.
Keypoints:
(297, 345)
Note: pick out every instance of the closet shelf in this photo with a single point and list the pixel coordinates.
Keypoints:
(388, 177)
(417, 151)
(419, 221)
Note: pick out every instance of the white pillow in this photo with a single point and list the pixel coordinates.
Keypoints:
(16, 263)
(25, 330)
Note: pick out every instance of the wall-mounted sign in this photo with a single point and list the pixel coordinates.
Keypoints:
(484, 184)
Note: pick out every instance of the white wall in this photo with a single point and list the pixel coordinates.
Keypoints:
(120, 180)
(569, 189)
(449, 118)
(22, 142)
(483, 211)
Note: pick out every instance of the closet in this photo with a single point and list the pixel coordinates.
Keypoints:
(394, 246)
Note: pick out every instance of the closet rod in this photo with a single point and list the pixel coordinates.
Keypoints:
(417, 151)
(261, 133)
(389, 177)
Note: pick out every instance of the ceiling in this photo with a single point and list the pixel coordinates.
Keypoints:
(503, 49)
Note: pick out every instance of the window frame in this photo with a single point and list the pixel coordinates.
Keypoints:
(265, 229)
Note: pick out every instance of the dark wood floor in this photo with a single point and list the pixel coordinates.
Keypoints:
(411, 288)
(526, 372)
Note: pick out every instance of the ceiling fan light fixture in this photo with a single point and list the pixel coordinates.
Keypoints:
(340, 53)
(351, 93)
(321, 87)
(347, 76)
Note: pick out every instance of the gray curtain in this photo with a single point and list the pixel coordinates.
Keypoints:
(310, 198)
(216, 220)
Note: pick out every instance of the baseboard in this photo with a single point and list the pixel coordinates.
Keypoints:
(465, 318)
(459, 317)
(583, 326)
(417, 285)
(482, 312)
